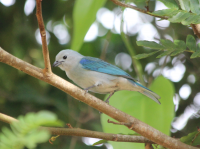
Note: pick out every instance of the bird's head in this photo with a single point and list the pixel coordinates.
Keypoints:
(66, 59)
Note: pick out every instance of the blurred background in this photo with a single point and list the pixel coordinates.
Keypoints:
(21, 93)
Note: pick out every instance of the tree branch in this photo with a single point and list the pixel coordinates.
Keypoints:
(196, 29)
(7, 119)
(117, 2)
(45, 50)
(138, 126)
(85, 133)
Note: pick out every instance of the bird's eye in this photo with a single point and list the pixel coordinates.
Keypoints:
(65, 57)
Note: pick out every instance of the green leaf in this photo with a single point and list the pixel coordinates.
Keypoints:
(149, 44)
(180, 45)
(99, 142)
(170, 4)
(191, 43)
(168, 44)
(144, 55)
(176, 52)
(192, 19)
(194, 6)
(144, 109)
(197, 53)
(84, 14)
(25, 132)
(191, 137)
(164, 53)
(197, 21)
(166, 12)
(180, 16)
(185, 4)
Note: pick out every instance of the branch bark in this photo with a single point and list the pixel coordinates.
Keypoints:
(135, 124)
(196, 29)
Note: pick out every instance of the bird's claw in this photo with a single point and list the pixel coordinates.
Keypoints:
(107, 101)
(86, 91)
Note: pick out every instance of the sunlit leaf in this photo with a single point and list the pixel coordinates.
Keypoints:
(144, 109)
(180, 16)
(144, 55)
(84, 14)
(170, 4)
(185, 4)
(166, 12)
(149, 44)
(192, 19)
(191, 43)
(194, 6)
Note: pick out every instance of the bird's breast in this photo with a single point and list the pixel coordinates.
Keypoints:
(105, 83)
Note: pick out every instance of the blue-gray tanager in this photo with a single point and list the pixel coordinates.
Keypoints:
(98, 76)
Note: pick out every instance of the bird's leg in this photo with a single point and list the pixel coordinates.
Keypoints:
(107, 100)
(86, 89)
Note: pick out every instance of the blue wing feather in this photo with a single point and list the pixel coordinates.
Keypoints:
(99, 65)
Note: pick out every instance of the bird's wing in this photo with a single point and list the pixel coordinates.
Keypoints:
(99, 65)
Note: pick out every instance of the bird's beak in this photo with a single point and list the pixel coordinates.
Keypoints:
(57, 63)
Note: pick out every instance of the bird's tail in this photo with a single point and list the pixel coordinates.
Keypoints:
(151, 95)
(148, 93)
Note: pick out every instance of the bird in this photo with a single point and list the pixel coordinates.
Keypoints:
(95, 75)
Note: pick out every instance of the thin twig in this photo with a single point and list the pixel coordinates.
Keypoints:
(84, 133)
(117, 2)
(47, 69)
(69, 125)
(118, 123)
(129, 125)
(79, 94)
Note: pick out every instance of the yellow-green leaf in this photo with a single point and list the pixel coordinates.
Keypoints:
(84, 14)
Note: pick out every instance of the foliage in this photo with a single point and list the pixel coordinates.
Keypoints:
(170, 48)
(26, 132)
(192, 138)
(144, 109)
(189, 14)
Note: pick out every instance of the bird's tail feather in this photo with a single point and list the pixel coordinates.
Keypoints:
(151, 95)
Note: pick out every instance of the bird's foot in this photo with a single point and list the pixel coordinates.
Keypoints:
(107, 101)
(86, 90)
